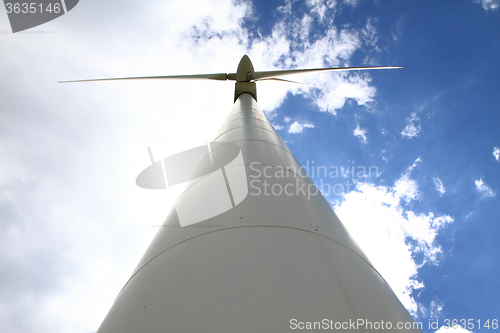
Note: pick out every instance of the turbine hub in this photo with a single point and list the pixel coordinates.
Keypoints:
(243, 79)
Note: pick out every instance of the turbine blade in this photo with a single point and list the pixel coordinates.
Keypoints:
(217, 76)
(261, 75)
(278, 79)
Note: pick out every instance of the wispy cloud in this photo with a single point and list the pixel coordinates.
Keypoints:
(297, 127)
(360, 133)
(489, 4)
(405, 187)
(435, 309)
(412, 127)
(484, 189)
(352, 2)
(439, 186)
(414, 165)
(369, 34)
(320, 8)
(496, 153)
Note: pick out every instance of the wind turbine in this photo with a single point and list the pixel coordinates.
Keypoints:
(251, 244)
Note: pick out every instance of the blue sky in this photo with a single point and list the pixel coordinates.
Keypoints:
(71, 215)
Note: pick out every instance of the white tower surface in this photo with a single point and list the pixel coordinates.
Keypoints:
(260, 265)
(272, 256)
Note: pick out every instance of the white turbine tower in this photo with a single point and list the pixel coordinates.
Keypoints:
(251, 245)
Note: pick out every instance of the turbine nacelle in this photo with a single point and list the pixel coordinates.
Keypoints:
(245, 70)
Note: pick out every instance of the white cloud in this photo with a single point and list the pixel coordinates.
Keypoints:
(392, 235)
(360, 133)
(335, 89)
(489, 4)
(297, 127)
(412, 127)
(483, 188)
(406, 188)
(439, 186)
(293, 46)
(454, 329)
(496, 153)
